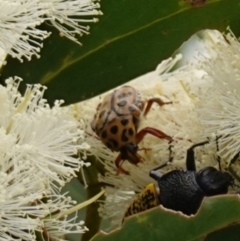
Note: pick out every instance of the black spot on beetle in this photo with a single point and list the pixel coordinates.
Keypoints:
(130, 131)
(122, 103)
(114, 129)
(109, 145)
(113, 142)
(104, 134)
(123, 136)
(124, 122)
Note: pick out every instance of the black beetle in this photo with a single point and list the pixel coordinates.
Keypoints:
(182, 190)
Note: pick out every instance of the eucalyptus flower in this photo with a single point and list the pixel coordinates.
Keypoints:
(41, 149)
(58, 224)
(23, 213)
(19, 188)
(45, 138)
(19, 20)
(19, 36)
(217, 93)
(70, 17)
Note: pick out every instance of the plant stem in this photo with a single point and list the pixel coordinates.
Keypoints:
(92, 220)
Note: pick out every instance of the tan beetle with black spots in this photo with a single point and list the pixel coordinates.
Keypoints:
(116, 123)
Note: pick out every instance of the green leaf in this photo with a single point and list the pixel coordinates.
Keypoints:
(131, 38)
(161, 224)
(230, 233)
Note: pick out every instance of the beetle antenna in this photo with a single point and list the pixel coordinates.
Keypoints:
(157, 175)
(218, 157)
(190, 159)
(170, 151)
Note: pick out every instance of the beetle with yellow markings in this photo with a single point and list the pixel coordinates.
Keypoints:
(182, 190)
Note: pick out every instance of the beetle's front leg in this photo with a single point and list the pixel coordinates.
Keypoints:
(118, 163)
(157, 175)
(134, 161)
(159, 101)
(190, 160)
(155, 132)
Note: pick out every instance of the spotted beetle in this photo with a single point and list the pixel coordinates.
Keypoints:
(182, 190)
(116, 123)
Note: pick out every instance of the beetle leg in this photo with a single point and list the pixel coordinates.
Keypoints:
(155, 132)
(151, 101)
(119, 163)
(157, 175)
(190, 160)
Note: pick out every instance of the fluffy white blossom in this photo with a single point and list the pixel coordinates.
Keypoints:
(43, 137)
(58, 225)
(41, 148)
(70, 17)
(217, 94)
(19, 35)
(19, 189)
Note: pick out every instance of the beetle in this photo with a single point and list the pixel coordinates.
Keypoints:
(182, 190)
(117, 120)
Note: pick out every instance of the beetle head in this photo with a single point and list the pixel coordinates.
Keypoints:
(129, 152)
(213, 181)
